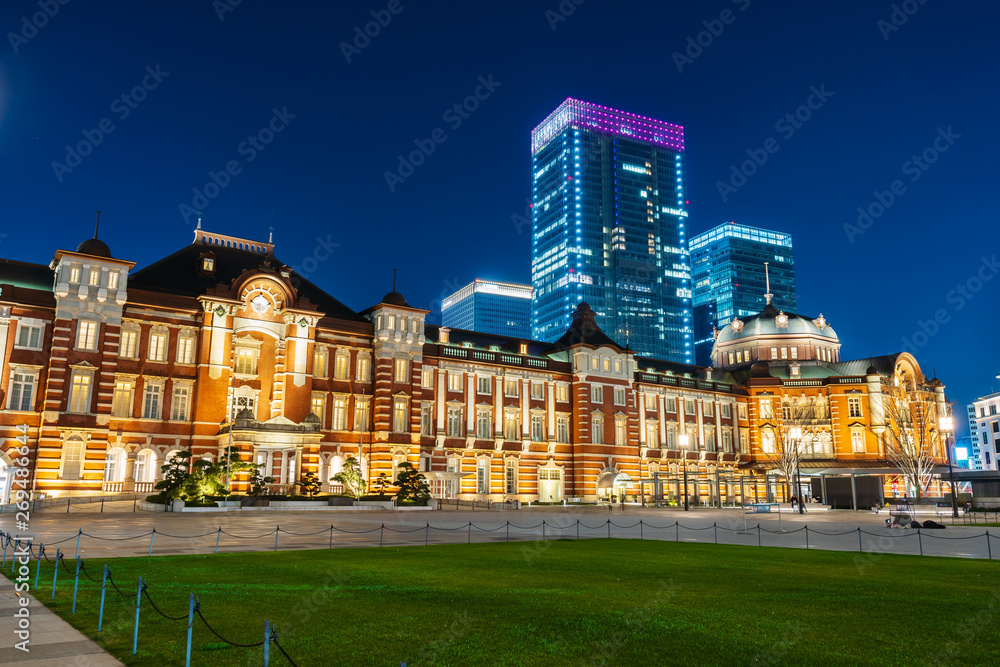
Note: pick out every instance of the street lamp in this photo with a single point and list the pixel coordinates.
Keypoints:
(947, 424)
(684, 439)
(796, 435)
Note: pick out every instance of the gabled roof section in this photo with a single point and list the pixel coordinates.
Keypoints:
(884, 365)
(584, 331)
(26, 275)
(179, 274)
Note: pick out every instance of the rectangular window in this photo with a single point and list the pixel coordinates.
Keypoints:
(853, 406)
(767, 442)
(319, 362)
(246, 360)
(742, 410)
(427, 419)
(671, 404)
(511, 424)
(510, 476)
(562, 428)
(597, 429)
(538, 390)
(402, 370)
(427, 378)
(774, 353)
(122, 399)
(79, 392)
(362, 412)
(621, 430)
(340, 362)
(129, 346)
(484, 384)
(731, 358)
(483, 427)
(993, 409)
(671, 437)
(538, 427)
(74, 274)
(179, 402)
(766, 409)
(727, 411)
(708, 409)
(511, 388)
(727, 441)
(364, 369)
(454, 381)
(72, 459)
(652, 434)
(29, 335)
(795, 352)
(158, 346)
(562, 393)
(650, 400)
(857, 441)
(619, 396)
(482, 476)
(689, 406)
(710, 440)
(400, 420)
(185, 348)
(152, 400)
(113, 280)
(618, 366)
(86, 335)
(784, 353)
(22, 390)
(94, 277)
(455, 421)
(597, 394)
(338, 416)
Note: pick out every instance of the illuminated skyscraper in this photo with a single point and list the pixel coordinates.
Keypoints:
(730, 281)
(608, 228)
(502, 309)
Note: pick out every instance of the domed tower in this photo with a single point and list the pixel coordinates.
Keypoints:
(777, 337)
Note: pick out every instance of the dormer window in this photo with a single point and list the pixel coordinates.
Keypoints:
(443, 335)
(208, 264)
(524, 348)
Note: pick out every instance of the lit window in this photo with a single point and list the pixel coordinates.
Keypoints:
(671, 404)
(179, 403)
(708, 409)
(482, 476)
(455, 421)
(652, 434)
(621, 429)
(74, 274)
(340, 362)
(784, 353)
(22, 390)
(766, 409)
(157, 346)
(774, 353)
(562, 428)
(454, 381)
(362, 413)
(767, 442)
(364, 368)
(86, 335)
(185, 348)
(122, 399)
(511, 425)
(795, 352)
(597, 429)
(484, 384)
(726, 411)
(650, 402)
(208, 264)
(510, 476)
(484, 428)
(511, 387)
(402, 370)
(129, 345)
(246, 361)
(339, 417)
(400, 416)
(319, 362)
(79, 392)
(94, 277)
(538, 390)
(427, 378)
(562, 394)
(689, 406)
(113, 280)
(538, 427)
(853, 406)
(857, 441)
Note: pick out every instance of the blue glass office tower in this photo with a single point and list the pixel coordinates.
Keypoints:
(608, 214)
(502, 309)
(729, 278)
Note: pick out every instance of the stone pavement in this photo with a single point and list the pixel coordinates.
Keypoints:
(52, 643)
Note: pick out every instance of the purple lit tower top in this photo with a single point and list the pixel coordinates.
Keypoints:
(609, 121)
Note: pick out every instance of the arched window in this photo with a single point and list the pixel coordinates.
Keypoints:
(145, 466)
(114, 465)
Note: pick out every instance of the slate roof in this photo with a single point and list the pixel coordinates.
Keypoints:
(27, 275)
(764, 324)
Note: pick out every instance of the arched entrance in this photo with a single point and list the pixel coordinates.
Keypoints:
(613, 484)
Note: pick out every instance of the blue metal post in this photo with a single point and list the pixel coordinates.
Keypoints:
(135, 633)
(55, 573)
(76, 585)
(38, 563)
(267, 641)
(78, 536)
(13, 556)
(5, 541)
(187, 661)
(543, 530)
(277, 529)
(104, 584)
(151, 536)
(218, 536)
(331, 535)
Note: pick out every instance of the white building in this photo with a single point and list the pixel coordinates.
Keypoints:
(986, 427)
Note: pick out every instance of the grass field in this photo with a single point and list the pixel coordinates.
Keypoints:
(592, 602)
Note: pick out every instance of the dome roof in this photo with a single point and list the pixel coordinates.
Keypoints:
(94, 247)
(395, 299)
(773, 322)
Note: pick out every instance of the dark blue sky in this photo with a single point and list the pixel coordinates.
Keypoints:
(323, 177)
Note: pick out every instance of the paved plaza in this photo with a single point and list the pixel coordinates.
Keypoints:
(118, 531)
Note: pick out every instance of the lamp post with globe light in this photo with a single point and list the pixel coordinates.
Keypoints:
(947, 426)
(795, 434)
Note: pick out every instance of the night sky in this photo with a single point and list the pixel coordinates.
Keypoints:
(212, 75)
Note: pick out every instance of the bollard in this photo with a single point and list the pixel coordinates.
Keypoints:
(609, 528)
(67, 506)
(989, 549)
(640, 529)
(55, 573)
(920, 541)
(78, 536)
(191, 608)
(381, 532)
(860, 548)
(427, 530)
(218, 536)
(13, 556)
(76, 585)
(134, 501)
(104, 584)
(102, 504)
(267, 641)
(4, 562)
(577, 529)
(470, 531)
(758, 535)
(135, 633)
(716, 528)
(151, 536)
(331, 535)
(543, 530)
(38, 563)
(677, 531)
(807, 537)
(277, 529)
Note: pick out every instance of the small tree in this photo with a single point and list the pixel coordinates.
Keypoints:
(911, 437)
(380, 484)
(352, 478)
(175, 475)
(412, 484)
(309, 484)
(258, 483)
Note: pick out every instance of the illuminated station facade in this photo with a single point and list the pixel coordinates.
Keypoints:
(108, 371)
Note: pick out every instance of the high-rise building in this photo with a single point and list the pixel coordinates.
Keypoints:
(502, 309)
(975, 458)
(987, 431)
(730, 279)
(608, 228)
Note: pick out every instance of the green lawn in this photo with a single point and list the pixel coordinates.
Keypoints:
(592, 602)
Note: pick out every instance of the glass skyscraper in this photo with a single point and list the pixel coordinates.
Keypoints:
(502, 309)
(730, 281)
(608, 218)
